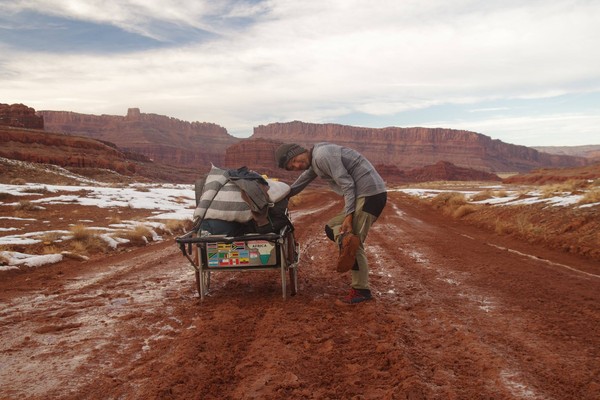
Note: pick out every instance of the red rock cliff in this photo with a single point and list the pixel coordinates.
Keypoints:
(63, 150)
(20, 116)
(409, 148)
(164, 139)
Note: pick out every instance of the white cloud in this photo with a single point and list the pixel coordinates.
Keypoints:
(318, 61)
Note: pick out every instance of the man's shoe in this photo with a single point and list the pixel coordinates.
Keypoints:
(357, 296)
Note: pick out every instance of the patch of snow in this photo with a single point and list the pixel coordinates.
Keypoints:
(19, 219)
(15, 258)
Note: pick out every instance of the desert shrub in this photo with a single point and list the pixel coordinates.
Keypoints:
(569, 186)
(177, 225)
(80, 232)
(448, 199)
(18, 181)
(501, 227)
(85, 241)
(43, 190)
(484, 195)
(50, 250)
(463, 210)
(114, 220)
(26, 205)
(592, 196)
(527, 229)
(50, 237)
(139, 235)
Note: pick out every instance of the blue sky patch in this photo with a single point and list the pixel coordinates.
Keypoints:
(32, 31)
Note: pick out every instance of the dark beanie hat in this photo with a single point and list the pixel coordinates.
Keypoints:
(286, 152)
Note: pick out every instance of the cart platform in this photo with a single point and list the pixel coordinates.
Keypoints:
(259, 252)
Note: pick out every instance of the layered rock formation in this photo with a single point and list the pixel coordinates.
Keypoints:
(163, 139)
(256, 154)
(62, 150)
(21, 116)
(440, 171)
(591, 152)
(409, 148)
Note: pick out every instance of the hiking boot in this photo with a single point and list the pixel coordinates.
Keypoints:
(357, 296)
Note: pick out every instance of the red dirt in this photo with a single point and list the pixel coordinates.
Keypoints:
(459, 313)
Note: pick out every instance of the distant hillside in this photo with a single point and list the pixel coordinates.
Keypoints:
(549, 176)
(409, 148)
(163, 139)
(590, 151)
(85, 156)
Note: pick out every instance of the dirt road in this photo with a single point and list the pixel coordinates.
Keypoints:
(458, 314)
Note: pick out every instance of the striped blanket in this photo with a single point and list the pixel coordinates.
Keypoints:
(222, 199)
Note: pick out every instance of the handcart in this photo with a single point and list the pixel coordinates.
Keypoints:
(255, 252)
(238, 196)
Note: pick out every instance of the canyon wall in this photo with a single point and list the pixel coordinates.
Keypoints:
(163, 139)
(408, 148)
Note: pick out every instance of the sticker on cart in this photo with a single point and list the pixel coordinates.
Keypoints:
(255, 253)
(264, 250)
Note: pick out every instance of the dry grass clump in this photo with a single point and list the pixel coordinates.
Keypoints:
(26, 205)
(85, 241)
(572, 186)
(51, 250)
(50, 237)
(114, 220)
(592, 196)
(18, 181)
(448, 199)
(484, 195)
(140, 235)
(488, 194)
(42, 190)
(453, 204)
(464, 210)
(177, 225)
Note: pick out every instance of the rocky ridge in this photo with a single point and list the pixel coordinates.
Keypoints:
(95, 159)
(591, 152)
(160, 138)
(21, 116)
(408, 148)
(62, 150)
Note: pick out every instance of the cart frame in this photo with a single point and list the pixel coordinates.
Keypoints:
(287, 255)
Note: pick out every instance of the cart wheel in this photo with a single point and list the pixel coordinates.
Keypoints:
(293, 281)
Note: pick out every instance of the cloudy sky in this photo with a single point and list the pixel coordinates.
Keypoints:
(522, 71)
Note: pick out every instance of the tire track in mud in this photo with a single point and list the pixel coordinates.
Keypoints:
(452, 318)
(64, 333)
(465, 292)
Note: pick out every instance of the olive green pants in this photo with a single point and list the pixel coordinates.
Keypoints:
(361, 223)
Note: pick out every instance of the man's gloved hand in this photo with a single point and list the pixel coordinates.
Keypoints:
(346, 225)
